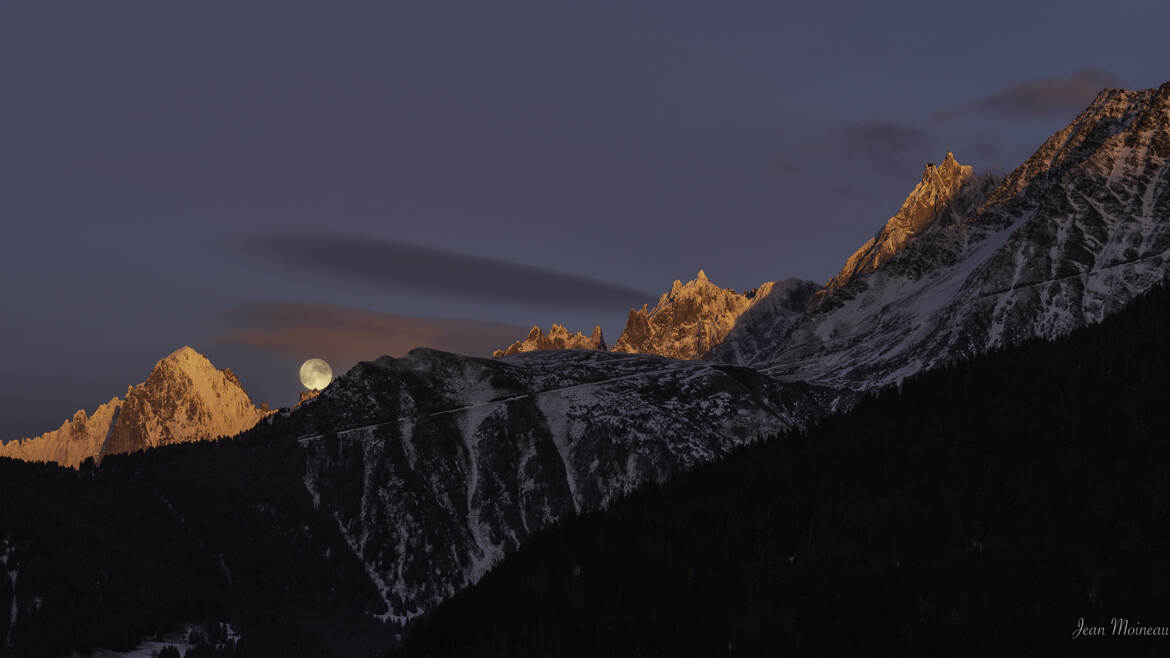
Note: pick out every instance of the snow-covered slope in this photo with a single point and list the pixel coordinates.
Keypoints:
(185, 398)
(558, 338)
(1069, 237)
(434, 465)
(776, 308)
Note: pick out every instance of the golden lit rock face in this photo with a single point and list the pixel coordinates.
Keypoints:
(932, 202)
(185, 398)
(558, 338)
(79, 437)
(688, 321)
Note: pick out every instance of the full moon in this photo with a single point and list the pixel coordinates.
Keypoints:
(316, 374)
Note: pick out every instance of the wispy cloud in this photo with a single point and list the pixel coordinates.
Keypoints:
(347, 335)
(838, 192)
(884, 148)
(1054, 97)
(875, 140)
(408, 266)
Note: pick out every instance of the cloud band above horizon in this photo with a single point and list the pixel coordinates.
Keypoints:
(347, 335)
(428, 269)
(1050, 97)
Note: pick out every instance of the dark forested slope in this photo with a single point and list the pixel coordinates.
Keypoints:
(981, 509)
(200, 532)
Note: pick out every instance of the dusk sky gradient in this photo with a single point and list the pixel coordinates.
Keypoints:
(273, 181)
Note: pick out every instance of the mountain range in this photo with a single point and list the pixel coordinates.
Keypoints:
(1068, 238)
(432, 467)
(969, 263)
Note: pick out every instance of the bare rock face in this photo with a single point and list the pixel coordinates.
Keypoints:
(558, 338)
(79, 437)
(688, 321)
(185, 398)
(947, 194)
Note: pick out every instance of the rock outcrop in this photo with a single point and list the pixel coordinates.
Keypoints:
(688, 321)
(947, 194)
(70, 444)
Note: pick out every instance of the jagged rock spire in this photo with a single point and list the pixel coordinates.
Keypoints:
(558, 338)
(688, 321)
(934, 201)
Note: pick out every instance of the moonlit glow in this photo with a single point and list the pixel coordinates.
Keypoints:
(316, 374)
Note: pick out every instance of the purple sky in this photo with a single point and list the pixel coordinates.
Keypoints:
(282, 180)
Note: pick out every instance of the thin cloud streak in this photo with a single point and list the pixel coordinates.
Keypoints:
(427, 269)
(1039, 99)
(876, 139)
(890, 150)
(348, 335)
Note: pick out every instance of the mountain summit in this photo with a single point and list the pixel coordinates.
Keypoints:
(947, 193)
(687, 321)
(185, 398)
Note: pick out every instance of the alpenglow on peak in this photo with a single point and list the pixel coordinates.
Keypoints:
(947, 193)
(558, 338)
